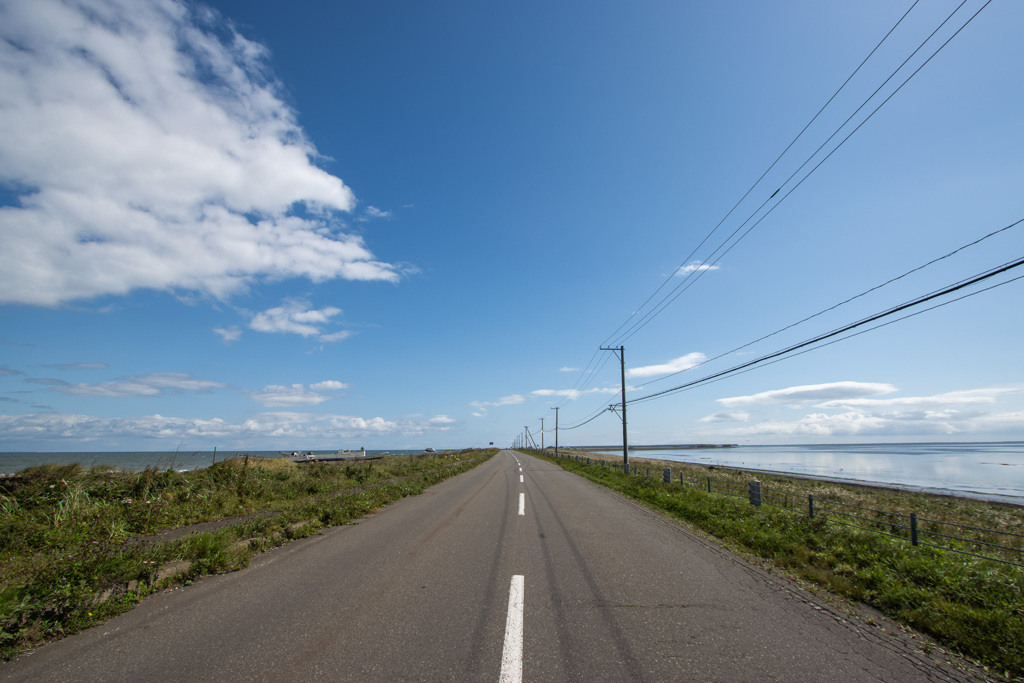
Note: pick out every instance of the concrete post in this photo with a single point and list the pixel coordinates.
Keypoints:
(666, 475)
(754, 489)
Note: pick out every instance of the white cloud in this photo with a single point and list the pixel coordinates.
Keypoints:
(296, 317)
(328, 385)
(229, 334)
(152, 384)
(810, 392)
(972, 396)
(285, 428)
(277, 395)
(511, 400)
(727, 416)
(573, 394)
(690, 360)
(78, 366)
(149, 149)
(568, 369)
(693, 267)
(374, 212)
(110, 389)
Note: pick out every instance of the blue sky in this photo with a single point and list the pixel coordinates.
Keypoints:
(403, 224)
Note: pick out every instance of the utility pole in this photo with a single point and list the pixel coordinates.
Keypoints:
(556, 430)
(620, 351)
(542, 433)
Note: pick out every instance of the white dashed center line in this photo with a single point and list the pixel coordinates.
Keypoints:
(522, 503)
(512, 654)
(520, 479)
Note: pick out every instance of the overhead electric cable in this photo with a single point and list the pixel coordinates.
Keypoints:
(849, 336)
(842, 303)
(757, 182)
(896, 309)
(688, 282)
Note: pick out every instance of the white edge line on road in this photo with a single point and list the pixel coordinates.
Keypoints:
(512, 654)
(522, 503)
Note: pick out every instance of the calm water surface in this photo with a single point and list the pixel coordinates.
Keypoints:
(989, 470)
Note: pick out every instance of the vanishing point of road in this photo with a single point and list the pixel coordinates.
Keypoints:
(513, 571)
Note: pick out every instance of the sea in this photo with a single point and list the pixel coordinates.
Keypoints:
(11, 463)
(991, 471)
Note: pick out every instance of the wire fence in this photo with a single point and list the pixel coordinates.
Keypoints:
(987, 544)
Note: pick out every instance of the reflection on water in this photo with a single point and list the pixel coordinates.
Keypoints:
(993, 470)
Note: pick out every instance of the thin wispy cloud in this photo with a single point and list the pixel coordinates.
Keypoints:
(78, 366)
(693, 267)
(573, 394)
(690, 360)
(168, 159)
(811, 392)
(151, 384)
(727, 416)
(482, 406)
(229, 335)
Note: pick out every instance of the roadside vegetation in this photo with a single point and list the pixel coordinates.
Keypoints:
(80, 545)
(969, 605)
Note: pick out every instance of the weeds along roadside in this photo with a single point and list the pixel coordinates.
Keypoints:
(971, 606)
(80, 545)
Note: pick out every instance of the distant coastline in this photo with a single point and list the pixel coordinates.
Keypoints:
(656, 447)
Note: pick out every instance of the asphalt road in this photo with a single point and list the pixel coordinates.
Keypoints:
(426, 590)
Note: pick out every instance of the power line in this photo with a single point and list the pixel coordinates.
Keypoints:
(757, 182)
(692, 278)
(896, 309)
(846, 301)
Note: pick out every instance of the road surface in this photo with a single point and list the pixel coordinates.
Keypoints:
(516, 570)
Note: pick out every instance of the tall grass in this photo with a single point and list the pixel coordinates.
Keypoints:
(80, 544)
(972, 606)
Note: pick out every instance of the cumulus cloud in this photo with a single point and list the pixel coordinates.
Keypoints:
(285, 428)
(936, 416)
(148, 147)
(295, 316)
(811, 392)
(277, 395)
(971, 396)
(690, 360)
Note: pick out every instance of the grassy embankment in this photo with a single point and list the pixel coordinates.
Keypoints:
(70, 548)
(972, 606)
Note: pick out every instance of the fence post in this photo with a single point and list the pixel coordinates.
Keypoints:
(709, 484)
(810, 505)
(588, 461)
(667, 475)
(682, 478)
(754, 489)
(913, 528)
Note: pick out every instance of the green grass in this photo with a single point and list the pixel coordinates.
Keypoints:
(70, 550)
(972, 606)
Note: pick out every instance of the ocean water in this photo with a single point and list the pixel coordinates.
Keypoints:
(180, 460)
(993, 471)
